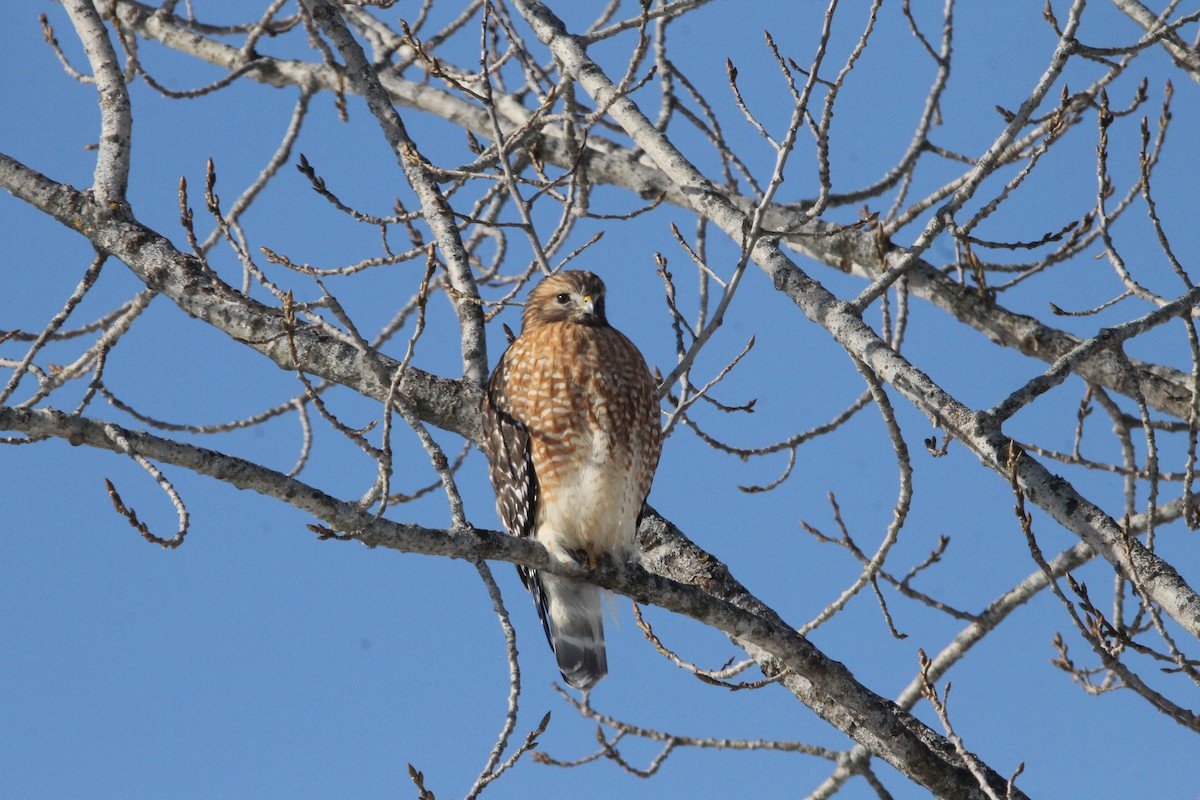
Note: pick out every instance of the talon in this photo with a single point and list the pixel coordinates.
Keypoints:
(580, 556)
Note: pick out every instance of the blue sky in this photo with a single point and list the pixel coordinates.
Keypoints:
(257, 661)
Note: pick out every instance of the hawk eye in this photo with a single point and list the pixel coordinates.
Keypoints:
(563, 298)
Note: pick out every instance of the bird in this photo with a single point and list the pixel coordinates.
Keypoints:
(572, 435)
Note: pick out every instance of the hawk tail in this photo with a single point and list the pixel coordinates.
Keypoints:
(577, 624)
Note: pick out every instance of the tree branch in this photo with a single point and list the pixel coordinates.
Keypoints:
(416, 169)
(449, 404)
(116, 120)
(678, 570)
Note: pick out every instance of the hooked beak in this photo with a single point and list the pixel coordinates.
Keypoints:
(588, 306)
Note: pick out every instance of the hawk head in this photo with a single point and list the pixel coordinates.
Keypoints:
(569, 296)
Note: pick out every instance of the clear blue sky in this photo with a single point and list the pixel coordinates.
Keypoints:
(256, 661)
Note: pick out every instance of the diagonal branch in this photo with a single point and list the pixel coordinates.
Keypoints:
(1186, 57)
(449, 404)
(679, 570)
(977, 431)
(364, 79)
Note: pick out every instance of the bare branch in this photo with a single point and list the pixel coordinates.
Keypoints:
(116, 121)
(416, 170)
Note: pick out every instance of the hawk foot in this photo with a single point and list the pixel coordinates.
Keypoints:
(590, 557)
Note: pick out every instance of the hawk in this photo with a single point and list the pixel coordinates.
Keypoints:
(572, 437)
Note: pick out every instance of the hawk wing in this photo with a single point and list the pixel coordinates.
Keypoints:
(510, 466)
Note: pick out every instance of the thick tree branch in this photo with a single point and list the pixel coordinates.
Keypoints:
(449, 404)
(685, 580)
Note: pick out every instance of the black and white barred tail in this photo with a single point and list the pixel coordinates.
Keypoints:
(575, 618)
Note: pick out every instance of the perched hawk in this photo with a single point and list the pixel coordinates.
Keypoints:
(571, 432)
